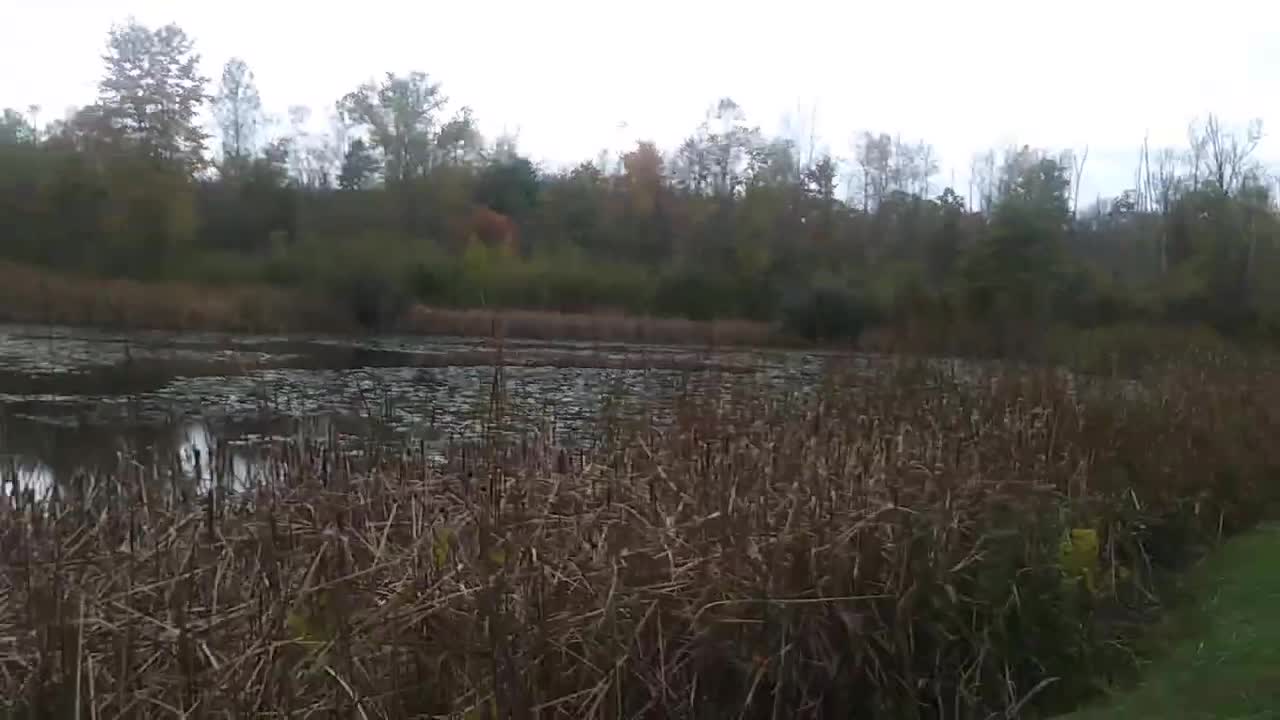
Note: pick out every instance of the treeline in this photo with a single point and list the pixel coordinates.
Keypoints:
(404, 201)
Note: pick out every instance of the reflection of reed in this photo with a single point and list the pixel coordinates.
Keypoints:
(24, 478)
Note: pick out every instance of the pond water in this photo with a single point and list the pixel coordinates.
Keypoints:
(72, 399)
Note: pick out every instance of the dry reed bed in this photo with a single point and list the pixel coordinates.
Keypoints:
(33, 295)
(29, 294)
(892, 550)
(596, 327)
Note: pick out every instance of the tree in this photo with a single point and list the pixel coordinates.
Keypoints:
(982, 180)
(773, 163)
(459, 141)
(1228, 154)
(729, 146)
(399, 115)
(509, 187)
(1011, 274)
(692, 166)
(1032, 181)
(820, 180)
(944, 249)
(152, 92)
(359, 167)
(642, 176)
(875, 158)
(15, 129)
(313, 160)
(238, 109)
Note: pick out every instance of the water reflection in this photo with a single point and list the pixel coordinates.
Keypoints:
(23, 475)
(69, 403)
(195, 449)
(197, 452)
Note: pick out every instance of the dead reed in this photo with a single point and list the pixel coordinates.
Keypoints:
(910, 546)
(33, 295)
(591, 327)
(29, 294)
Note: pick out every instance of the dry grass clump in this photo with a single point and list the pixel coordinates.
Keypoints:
(885, 550)
(592, 327)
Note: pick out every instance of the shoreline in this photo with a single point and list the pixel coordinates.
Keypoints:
(35, 296)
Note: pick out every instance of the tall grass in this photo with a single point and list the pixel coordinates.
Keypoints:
(594, 327)
(33, 295)
(911, 545)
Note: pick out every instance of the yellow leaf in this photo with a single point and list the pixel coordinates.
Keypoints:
(305, 627)
(440, 548)
(498, 556)
(1079, 555)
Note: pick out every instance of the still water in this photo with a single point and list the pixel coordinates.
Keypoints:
(73, 399)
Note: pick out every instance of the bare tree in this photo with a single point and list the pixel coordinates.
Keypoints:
(1195, 155)
(875, 158)
(1228, 153)
(1077, 172)
(801, 128)
(728, 146)
(928, 164)
(33, 112)
(982, 172)
(238, 109)
(1157, 189)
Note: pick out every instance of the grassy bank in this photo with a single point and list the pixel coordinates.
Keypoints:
(1221, 654)
(908, 545)
(34, 295)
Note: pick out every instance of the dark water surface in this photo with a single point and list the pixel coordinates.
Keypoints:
(74, 399)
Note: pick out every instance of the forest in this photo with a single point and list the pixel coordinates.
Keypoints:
(403, 202)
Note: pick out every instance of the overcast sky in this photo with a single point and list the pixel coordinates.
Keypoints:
(964, 75)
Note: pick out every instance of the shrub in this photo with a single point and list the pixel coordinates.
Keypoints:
(828, 312)
(695, 293)
(375, 300)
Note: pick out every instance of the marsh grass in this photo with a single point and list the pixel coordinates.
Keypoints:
(36, 296)
(610, 327)
(33, 295)
(891, 547)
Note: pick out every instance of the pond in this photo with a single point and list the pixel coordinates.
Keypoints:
(72, 399)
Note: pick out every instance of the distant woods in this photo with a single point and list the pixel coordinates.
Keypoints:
(402, 200)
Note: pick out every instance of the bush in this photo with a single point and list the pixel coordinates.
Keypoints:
(828, 312)
(375, 300)
(369, 275)
(695, 293)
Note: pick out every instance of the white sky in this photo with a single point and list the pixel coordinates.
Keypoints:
(964, 75)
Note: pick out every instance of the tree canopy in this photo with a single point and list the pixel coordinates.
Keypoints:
(404, 192)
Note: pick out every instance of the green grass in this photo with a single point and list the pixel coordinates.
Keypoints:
(1223, 658)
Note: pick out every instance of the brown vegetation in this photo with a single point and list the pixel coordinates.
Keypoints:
(33, 295)
(596, 327)
(893, 548)
(630, 360)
